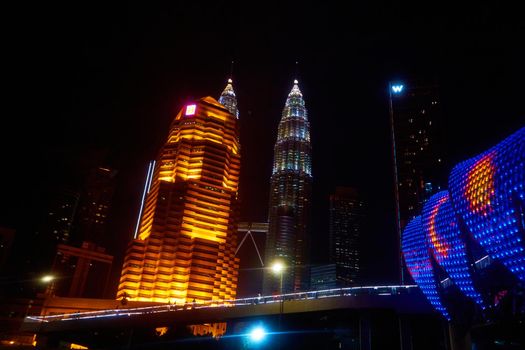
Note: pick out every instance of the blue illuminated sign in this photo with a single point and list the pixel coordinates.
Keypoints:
(397, 88)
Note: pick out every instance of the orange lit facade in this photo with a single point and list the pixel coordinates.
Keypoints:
(184, 250)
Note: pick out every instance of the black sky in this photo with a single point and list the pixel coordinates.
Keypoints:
(99, 84)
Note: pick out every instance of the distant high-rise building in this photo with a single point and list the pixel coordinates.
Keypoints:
(290, 197)
(187, 236)
(416, 124)
(71, 218)
(347, 216)
(57, 226)
(323, 277)
(94, 206)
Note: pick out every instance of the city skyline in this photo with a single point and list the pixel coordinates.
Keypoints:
(151, 177)
(128, 84)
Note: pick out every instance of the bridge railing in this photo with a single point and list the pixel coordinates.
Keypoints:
(267, 299)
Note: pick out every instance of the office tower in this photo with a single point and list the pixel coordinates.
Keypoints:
(290, 196)
(56, 227)
(60, 217)
(347, 219)
(416, 125)
(94, 206)
(185, 246)
(81, 272)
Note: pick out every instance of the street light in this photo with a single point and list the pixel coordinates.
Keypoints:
(49, 281)
(278, 268)
(47, 278)
(397, 90)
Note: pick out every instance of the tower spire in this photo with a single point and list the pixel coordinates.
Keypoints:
(228, 98)
(230, 80)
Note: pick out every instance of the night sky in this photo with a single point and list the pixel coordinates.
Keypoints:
(96, 85)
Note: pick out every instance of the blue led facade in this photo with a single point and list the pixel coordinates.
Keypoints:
(417, 258)
(441, 229)
(488, 194)
(485, 201)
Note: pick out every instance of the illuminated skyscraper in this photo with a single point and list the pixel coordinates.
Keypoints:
(347, 215)
(290, 196)
(187, 236)
(416, 119)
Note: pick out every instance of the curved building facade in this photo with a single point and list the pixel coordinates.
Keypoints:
(187, 233)
(480, 218)
(290, 198)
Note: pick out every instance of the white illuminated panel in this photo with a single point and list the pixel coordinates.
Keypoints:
(190, 109)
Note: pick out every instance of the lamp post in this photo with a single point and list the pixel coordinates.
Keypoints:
(396, 89)
(278, 268)
(48, 280)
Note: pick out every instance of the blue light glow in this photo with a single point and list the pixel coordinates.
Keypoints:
(396, 89)
(257, 334)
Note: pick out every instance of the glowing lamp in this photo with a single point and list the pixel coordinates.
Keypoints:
(190, 109)
(47, 278)
(257, 334)
(396, 89)
(277, 267)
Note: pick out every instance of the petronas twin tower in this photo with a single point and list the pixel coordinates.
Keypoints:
(290, 197)
(184, 245)
(290, 194)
